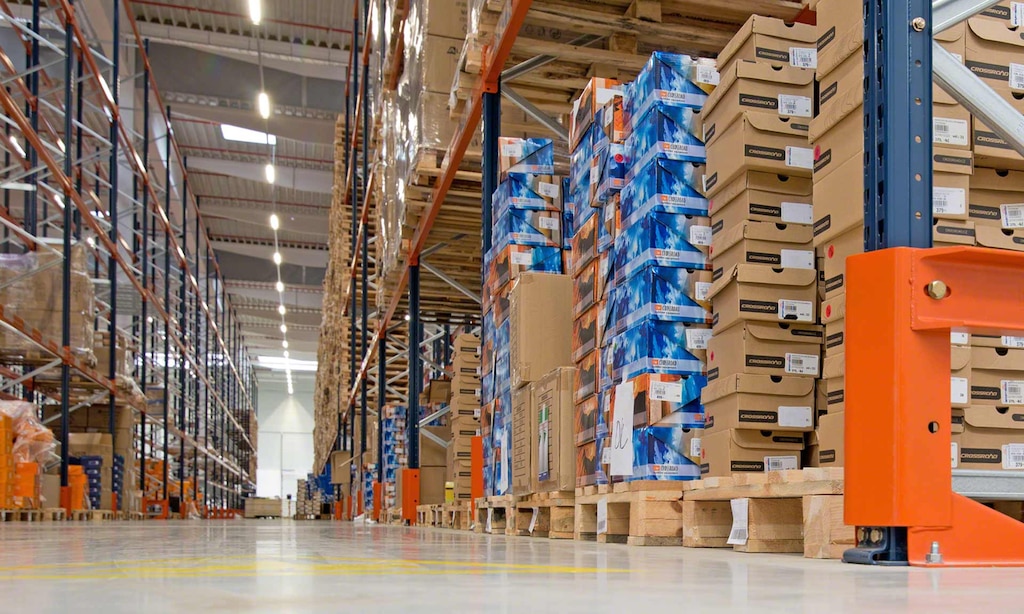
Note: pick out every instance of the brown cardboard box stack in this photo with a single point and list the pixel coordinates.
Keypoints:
(764, 353)
(540, 327)
(464, 416)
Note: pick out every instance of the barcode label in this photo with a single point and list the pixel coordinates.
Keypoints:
(700, 290)
(1017, 76)
(794, 106)
(958, 390)
(700, 235)
(512, 150)
(595, 172)
(1016, 13)
(549, 190)
(609, 211)
(697, 338)
(1013, 456)
(522, 258)
(946, 131)
(797, 213)
(780, 463)
(695, 447)
(1013, 342)
(965, 338)
(801, 311)
(802, 364)
(800, 157)
(949, 201)
(1013, 215)
(954, 454)
(797, 259)
(549, 223)
(795, 417)
(602, 516)
(803, 57)
(1013, 392)
(667, 391)
(708, 75)
(738, 532)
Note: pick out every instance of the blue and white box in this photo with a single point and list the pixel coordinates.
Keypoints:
(670, 78)
(663, 293)
(517, 155)
(608, 173)
(526, 192)
(654, 346)
(528, 227)
(663, 185)
(657, 454)
(664, 131)
(665, 239)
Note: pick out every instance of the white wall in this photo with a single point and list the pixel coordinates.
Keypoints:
(285, 444)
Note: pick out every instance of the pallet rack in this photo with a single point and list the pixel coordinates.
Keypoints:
(91, 168)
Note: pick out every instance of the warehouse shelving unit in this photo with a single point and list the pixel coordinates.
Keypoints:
(84, 161)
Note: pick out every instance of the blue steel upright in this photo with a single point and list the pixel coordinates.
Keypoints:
(415, 372)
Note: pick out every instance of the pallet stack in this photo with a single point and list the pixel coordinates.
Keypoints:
(464, 416)
(765, 353)
(308, 498)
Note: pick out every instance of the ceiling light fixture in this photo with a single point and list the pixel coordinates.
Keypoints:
(263, 104)
(255, 11)
(277, 258)
(280, 287)
(281, 310)
(270, 173)
(275, 222)
(284, 344)
(284, 329)
(244, 135)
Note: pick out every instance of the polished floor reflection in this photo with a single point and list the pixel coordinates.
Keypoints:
(286, 566)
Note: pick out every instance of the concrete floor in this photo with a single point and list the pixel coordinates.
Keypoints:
(275, 566)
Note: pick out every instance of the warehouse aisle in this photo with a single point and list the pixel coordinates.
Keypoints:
(272, 566)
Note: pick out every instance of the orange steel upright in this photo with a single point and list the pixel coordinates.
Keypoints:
(378, 500)
(476, 467)
(410, 494)
(901, 305)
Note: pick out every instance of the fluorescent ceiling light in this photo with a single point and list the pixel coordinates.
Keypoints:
(255, 11)
(284, 329)
(277, 258)
(275, 222)
(280, 286)
(279, 363)
(270, 173)
(284, 344)
(263, 104)
(281, 310)
(244, 135)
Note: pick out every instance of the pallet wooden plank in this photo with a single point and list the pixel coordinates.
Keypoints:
(706, 524)
(774, 525)
(826, 536)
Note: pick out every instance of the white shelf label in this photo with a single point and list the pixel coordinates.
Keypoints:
(700, 235)
(965, 338)
(797, 259)
(701, 289)
(794, 106)
(797, 213)
(954, 454)
(803, 57)
(1013, 342)
(795, 417)
(1013, 456)
(948, 131)
(1016, 13)
(802, 364)
(667, 391)
(1013, 215)
(738, 532)
(800, 157)
(549, 223)
(697, 338)
(549, 190)
(958, 390)
(949, 201)
(708, 75)
(512, 150)
(522, 258)
(801, 311)
(1012, 392)
(780, 463)
(1017, 76)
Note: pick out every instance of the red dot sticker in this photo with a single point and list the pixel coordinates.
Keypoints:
(828, 311)
(817, 152)
(831, 251)
(620, 158)
(711, 355)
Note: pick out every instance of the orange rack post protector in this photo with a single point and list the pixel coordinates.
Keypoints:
(902, 304)
(410, 494)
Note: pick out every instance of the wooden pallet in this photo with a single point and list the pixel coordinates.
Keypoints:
(458, 516)
(393, 516)
(93, 515)
(131, 516)
(495, 515)
(21, 515)
(797, 511)
(429, 515)
(549, 514)
(638, 513)
(54, 514)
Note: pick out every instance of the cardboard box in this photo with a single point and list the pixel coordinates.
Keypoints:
(540, 326)
(652, 346)
(835, 391)
(663, 453)
(991, 151)
(777, 245)
(553, 421)
(663, 185)
(439, 62)
(840, 94)
(740, 450)
(840, 31)
(761, 197)
(584, 245)
(953, 40)
(772, 40)
(505, 263)
(432, 481)
(993, 52)
(608, 173)
(665, 131)
(1002, 11)
(1000, 238)
(839, 201)
(466, 344)
(663, 293)
(951, 183)
(588, 464)
(519, 227)
(664, 400)
(670, 79)
(609, 225)
(446, 18)
(765, 348)
(586, 333)
(664, 239)
(841, 142)
(994, 198)
(831, 442)
(431, 453)
(759, 142)
(951, 126)
(341, 467)
(758, 86)
(516, 155)
(836, 251)
(750, 292)
(523, 191)
(993, 439)
(597, 93)
(585, 288)
(524, 440)
(585, 415)
(586, 375)
(947, 233)
(997, 376)
(960, 376)
(747, 401)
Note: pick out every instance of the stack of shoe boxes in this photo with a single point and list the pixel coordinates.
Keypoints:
(394, 455)
(464, 415)
(527, 236)
(764, 355)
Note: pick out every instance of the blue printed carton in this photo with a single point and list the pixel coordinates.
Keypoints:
(608, 228)
(654, 346)
(503, 263)
(517, 155)
(579, 163)
(662, 185)
(607, 173)
(674, 133)
(658, 454)
(663, 293)
(502, 360)
(527, 227)
(526, 192)
(672, 79)
(582, 211)
(664, 239)
(660, 399)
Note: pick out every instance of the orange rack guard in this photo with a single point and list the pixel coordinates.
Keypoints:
(902, 304)
(410, 495)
